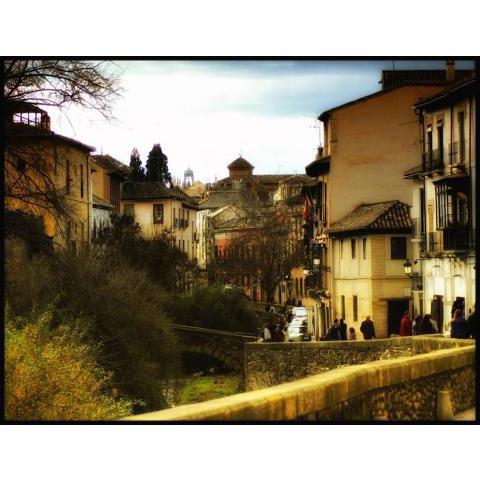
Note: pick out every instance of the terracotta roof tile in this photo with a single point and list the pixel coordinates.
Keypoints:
(22, 130)
(110, 163)
(154, 191)
(392, 215)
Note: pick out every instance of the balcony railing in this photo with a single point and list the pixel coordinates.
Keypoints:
(449, 239)
(433, 160)
(457, 152)
(455, 238)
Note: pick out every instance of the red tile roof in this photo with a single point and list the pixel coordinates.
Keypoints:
(383, 216)
(112, 164)
(155, 191)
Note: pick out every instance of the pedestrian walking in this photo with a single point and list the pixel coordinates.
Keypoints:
(367, 328)
(472, 322)
(352, 335)
(458, 304)
(286, 335)
(278, 335)
(334, 332)
(459, 327)
(427, 325)
(405, 325)
(417, 321)
(267, 336)
(343, 329)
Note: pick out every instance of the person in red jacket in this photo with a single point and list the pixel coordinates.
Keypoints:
(405, 326)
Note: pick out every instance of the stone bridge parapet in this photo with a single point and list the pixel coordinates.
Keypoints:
(402, 388)
(227, 347)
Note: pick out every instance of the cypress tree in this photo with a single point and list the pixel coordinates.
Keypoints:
(138, 172)
(157, 166)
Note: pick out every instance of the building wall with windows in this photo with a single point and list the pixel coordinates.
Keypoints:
(66, 169)
(363, 285)
(444, 202)
(368, 144)
(371, 144)
(155, 216)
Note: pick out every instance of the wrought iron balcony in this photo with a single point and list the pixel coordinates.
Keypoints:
(433, 160)
(455, 238)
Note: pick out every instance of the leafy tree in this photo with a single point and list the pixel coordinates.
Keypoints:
(28, 228)
(52, 374)
(157, 166)
(215, 307)
(264, 248)
(137, 171)
(156, 254)
(114, 304)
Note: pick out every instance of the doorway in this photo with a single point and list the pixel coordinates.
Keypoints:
(396, 310)
(437, 311)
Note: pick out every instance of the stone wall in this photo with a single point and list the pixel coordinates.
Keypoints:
(269, 364)
(410, 401)
(396, 389)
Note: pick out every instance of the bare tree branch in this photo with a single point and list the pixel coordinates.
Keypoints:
(92, 85)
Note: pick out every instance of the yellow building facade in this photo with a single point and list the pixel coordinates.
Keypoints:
(370, 246)
(157, 208)
(40, 162)
(368, 144)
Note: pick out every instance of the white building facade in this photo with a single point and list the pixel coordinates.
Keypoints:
(444, 204)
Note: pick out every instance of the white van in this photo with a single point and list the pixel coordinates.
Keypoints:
(298, 328)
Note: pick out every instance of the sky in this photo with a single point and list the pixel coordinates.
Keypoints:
(205, 114)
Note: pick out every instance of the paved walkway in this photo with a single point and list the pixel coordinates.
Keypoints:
(467, 415)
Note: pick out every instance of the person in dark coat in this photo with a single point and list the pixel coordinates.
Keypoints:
(334, 332)
(417, 321)
(427, 327)
(367, 328)
(405, 326)
(459, 325)
(472, 322)
(458, 304)
(343, 329)
(278, 335)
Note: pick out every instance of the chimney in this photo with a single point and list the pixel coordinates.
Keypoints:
(450, 71)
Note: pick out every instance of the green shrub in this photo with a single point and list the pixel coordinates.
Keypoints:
(213, 307)
(155, 254)
(114, 304)
(51, 374)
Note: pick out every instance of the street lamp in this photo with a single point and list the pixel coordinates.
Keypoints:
(407, 266)
(316, 261)
(306, 271)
